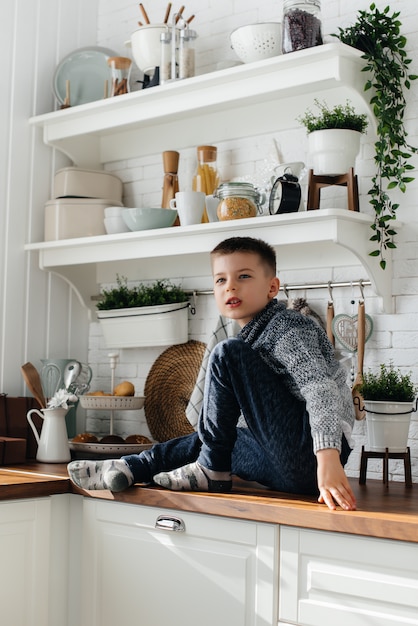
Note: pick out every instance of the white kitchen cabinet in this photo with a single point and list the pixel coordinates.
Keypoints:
(332, 578)
(33, 557)
(247, 100)
(212, 571)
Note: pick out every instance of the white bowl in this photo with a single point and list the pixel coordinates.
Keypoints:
(146, 46)
(148, 219)
(113, 211)
(114, 225)
(255, 42)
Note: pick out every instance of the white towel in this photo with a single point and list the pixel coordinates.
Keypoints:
(224, 329)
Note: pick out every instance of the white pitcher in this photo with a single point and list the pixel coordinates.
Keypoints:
(53, 443)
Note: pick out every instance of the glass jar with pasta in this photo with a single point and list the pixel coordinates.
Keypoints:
(207, 177)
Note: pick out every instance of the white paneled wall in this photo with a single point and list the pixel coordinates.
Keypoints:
(39, 313)
(39, 316)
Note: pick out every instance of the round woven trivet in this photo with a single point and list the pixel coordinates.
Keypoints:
(168, 388)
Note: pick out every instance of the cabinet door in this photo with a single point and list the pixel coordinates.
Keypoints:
(333, 578)
(212, 571)
(24, 558)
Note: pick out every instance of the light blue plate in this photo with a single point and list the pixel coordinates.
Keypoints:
(87, 70)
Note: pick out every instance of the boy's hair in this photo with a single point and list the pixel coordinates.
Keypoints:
(265, 252)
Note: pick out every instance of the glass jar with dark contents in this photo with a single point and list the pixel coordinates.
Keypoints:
(301, 25)
(238, 201)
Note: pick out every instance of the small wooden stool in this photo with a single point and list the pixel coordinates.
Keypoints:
(316, 183)
(366, 455)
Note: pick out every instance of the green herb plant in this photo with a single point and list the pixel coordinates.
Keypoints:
(378, 35)
(124, 297)
(342, 116)
(388, 385)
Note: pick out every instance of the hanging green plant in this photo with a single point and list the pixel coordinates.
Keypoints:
(377, 34)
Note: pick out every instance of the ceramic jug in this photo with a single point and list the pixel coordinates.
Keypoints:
(53, 442)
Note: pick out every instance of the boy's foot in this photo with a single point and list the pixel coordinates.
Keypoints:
(113, 474)
(195, 477)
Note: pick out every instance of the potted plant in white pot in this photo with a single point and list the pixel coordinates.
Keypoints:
(143, 315)
(389, 398)
(334, 135)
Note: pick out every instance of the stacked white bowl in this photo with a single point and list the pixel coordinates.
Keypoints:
(113, 221)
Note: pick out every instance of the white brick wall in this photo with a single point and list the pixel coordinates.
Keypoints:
(395, 336)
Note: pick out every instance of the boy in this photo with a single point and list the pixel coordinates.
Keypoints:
(280, 373)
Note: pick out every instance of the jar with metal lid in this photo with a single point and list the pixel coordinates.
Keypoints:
(186, 53)
(165, 62)
(301, 25)
(238, 201)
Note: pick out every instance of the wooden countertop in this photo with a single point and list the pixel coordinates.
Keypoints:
(387, 512)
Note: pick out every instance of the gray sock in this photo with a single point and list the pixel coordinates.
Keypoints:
(113, 474)
(195, 477)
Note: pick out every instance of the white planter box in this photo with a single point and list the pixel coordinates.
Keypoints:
(163, 325)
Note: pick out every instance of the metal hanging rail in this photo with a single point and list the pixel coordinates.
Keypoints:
(286, 287)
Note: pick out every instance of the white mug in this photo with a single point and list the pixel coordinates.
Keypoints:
(190, 206)
(211, 208)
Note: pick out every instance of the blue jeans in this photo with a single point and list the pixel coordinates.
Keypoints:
(275, 450)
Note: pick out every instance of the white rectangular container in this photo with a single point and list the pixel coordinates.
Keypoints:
(67, 218)
(75, 182)
(163, 325)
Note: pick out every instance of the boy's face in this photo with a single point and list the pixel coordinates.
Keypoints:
(242, 285)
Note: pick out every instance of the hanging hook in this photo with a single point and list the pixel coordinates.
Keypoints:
(330, 298)
(360, 284)
(285, 291)
(193, 306)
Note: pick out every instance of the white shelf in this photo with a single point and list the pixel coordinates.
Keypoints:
(247, 100)
(243, 101)
(315, 239)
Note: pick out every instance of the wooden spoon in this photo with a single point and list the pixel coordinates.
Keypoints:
(330, 317)
(361, 341)
(33, 381)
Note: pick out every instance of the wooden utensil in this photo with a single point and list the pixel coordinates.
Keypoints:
(33, 381)
(361, 341)
(67, 101)
(179, 13)
(167, 13)
(144, 13)
(330, 317)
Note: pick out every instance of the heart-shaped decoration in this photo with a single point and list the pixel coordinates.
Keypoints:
(345, 329)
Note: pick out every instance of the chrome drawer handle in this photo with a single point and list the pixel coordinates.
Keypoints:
(174, 524)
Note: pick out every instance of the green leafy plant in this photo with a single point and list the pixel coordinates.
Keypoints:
(378, 35)
(342, 116)
(124, 297)
(388, 385)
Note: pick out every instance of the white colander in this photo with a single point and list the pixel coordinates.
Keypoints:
(255, 42)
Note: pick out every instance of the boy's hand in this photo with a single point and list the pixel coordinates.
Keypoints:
(333, 484)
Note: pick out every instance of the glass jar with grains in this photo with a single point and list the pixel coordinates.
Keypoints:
(301, 25)
(238, 201)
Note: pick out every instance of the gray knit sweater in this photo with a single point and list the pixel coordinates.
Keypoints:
(295, 346)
